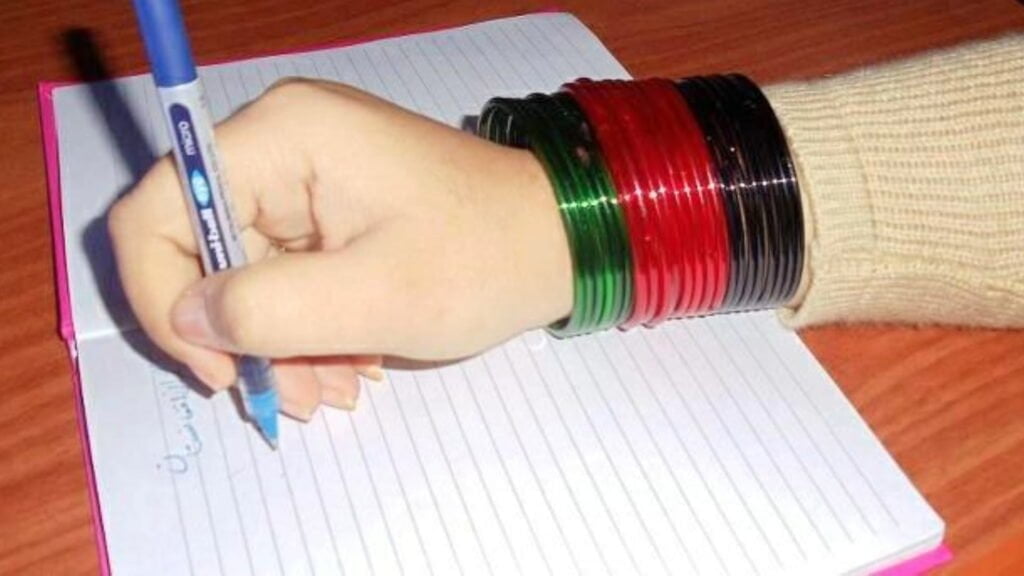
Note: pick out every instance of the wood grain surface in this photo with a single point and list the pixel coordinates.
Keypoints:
(948, 403)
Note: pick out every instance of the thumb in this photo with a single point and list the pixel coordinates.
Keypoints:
(295, 304)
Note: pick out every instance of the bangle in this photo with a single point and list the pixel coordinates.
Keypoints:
(759, 189)
(554, 129)
(678, 199)
(656, 155)
(787, 193)
(691, 160)
(626, 168)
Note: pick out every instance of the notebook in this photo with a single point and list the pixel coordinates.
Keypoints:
(706, 446)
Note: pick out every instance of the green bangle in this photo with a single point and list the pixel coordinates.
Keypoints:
(601, 202)
(555, 130)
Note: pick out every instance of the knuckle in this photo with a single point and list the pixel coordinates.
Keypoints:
(290, 106)
(119, 219)
(133, 213)
(126, 222)
(286, 91)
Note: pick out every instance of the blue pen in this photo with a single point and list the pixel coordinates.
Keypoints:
(191, 130)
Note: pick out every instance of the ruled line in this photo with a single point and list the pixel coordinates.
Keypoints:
(558, 465)
(209, 514)
(234, 492)
(476, 466)
(747, 349)
(348, 495)
(716, 371)
(452, 475)
(174, 480)
(504, 469)
(607, 457)
(629, 444)
(689, 458)
(320, 499)
(579, 455)
(743, 497)
(627, 392)
(429, 482)
(526, 456)
(368, 390)
(799, 384)
(375, 493)
(715, 456)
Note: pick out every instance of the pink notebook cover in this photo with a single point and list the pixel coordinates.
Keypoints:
(48, 125)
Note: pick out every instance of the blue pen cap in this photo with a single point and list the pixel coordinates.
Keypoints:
(163, 32)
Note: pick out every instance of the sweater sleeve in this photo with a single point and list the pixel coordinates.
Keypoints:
(912, 178)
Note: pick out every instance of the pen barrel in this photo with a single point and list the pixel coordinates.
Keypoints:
(190, 127)
(191, 132)
(256, 373)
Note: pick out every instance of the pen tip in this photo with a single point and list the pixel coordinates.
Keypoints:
(271, 440)
(262, 410)
(268, 429)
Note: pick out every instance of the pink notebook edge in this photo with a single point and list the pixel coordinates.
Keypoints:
(66, 327)
(919, 564)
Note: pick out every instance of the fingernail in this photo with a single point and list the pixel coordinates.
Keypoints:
(190, 320)
(208, 378)
(373, 372)
(353, 400)
(304, 413)
(348, 404)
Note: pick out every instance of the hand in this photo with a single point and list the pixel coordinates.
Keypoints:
(370, 230)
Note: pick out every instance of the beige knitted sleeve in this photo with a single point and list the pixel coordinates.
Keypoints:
(912, 175)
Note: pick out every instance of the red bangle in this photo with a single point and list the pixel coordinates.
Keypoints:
(693, 159)
(665, 285)
(668, 188)
(676, 223)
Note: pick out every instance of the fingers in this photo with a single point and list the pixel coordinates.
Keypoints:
(154, 244)
(298, 388)
(305, 383)
(154, 272)
(369, 366)
(155, 248)
(339, 381)
(279, 202)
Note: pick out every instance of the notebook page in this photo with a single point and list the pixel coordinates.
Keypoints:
(712, 446)
(709, 446)
(109, 133)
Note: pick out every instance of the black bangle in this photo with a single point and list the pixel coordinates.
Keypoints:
(759, 189)
(785, 186)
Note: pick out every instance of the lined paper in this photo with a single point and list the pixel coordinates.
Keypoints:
(712, 446)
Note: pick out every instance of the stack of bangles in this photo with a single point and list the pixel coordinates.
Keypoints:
(678, 198)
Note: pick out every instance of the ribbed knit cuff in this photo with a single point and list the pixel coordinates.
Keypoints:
(912, 176)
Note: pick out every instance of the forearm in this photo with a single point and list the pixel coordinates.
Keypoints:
(912, 176)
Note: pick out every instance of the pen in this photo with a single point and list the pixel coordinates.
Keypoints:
(190, 127)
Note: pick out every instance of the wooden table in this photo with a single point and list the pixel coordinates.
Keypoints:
(948, 403)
